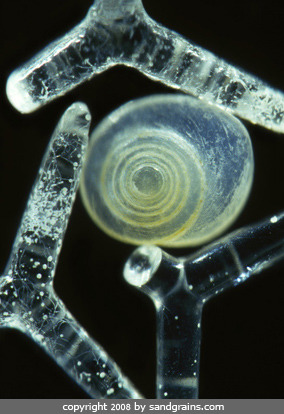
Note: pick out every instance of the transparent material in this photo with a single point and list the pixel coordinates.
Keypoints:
(179, 287)
(27, 299)
(120, 32)
(168, 170)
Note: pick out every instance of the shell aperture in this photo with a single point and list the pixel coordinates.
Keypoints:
(167, 170)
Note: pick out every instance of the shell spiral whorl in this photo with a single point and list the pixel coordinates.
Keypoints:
(167, 170)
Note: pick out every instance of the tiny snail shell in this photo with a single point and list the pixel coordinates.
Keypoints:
(167, 170)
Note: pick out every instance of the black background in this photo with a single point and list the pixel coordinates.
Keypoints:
(242, 342)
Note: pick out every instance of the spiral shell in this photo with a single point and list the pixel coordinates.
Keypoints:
(167, 170)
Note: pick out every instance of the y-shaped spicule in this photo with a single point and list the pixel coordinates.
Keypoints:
(27, 299)
(179, 287)
(120, 32)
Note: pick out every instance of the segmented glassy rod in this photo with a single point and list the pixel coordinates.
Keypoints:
(179, 287)
(120, 32)
(27, 298)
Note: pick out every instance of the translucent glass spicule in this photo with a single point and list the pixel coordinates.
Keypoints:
(179, 288)
(28, 301)
(120, 32)
(168, 170)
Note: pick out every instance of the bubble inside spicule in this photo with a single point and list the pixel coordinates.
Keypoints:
(167, 170)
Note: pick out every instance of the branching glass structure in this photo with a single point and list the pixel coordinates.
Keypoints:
(120, 32)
